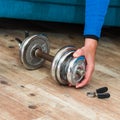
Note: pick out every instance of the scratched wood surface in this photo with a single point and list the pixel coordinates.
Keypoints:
(34, 95)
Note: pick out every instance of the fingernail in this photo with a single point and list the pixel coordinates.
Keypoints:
(77, 86)
(75, 55)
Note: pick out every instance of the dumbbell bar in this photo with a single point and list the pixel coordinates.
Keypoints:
(34, 50)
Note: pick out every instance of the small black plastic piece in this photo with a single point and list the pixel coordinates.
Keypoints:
(103, 95)
(102, 90)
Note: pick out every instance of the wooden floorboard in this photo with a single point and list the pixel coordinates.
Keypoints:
(34, 95)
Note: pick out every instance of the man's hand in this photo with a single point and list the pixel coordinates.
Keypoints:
(89, 51)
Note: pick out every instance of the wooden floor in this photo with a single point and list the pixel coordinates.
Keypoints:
(34, 95)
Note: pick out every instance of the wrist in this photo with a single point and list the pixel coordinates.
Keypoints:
(91, 43)
(94, 37)
(91, 46)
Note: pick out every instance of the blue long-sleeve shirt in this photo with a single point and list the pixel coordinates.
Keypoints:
(95, 12)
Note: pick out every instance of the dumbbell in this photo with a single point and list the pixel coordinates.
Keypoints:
(65, 69)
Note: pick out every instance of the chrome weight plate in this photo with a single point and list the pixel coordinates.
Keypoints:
(61, 71)
(76, 70)
(27, 51)
(56, 60)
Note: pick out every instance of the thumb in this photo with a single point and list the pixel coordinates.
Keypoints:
(78, 52)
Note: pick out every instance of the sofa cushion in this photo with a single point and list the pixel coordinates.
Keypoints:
(70, 2)
(113, 3)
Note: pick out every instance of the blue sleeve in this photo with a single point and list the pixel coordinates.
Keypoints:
(95, 12)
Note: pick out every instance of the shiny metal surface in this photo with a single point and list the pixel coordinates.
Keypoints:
(62, 68)
(76, 70)
(56, 60)
(27, 51)
(91, 94)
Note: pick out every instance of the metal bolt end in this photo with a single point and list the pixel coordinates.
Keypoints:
(91, 94)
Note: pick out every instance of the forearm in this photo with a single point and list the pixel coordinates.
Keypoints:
(95, 12)
(94, 19)
(91, 46)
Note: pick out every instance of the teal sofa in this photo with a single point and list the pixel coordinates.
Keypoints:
(67, 11)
